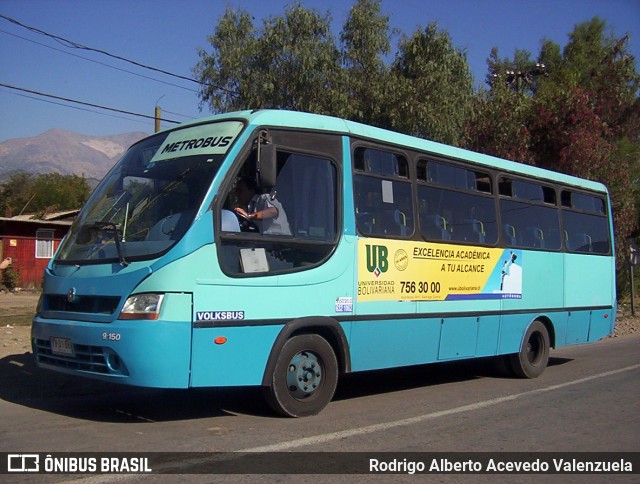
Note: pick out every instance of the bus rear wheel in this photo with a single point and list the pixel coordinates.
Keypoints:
(533, 356)
(304, 378)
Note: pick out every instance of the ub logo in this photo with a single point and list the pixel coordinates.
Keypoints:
(377, 259)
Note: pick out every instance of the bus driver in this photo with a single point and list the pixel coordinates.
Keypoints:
(264, 209)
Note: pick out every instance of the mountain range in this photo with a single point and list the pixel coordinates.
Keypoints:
(64, 152)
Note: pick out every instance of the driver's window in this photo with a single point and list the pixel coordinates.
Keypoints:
(290, 226)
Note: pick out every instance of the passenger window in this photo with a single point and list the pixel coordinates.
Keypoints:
(524, 190)
(583, 202)
(530, 226)
(585, 223)
(455, 204)
(380, 162)
(529, 216)
(382, 194)
(453, 176)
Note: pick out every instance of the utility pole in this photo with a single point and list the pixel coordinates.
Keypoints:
(157, 118)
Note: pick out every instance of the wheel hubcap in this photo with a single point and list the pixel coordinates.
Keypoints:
(304, 375)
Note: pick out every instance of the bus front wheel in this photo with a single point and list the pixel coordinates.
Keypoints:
(533, 356)
(304, 378)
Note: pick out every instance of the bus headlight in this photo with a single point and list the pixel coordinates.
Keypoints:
(142, 306)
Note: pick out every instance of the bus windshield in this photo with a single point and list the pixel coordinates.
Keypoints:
(149, 199)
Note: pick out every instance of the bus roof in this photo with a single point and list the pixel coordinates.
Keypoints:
(295, 119)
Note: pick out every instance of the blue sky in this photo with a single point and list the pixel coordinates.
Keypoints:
(166, 34)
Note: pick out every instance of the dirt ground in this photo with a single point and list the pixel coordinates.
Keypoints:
(18, 303)
(16, 308)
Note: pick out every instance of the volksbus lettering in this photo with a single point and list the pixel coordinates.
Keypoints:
(219, 315)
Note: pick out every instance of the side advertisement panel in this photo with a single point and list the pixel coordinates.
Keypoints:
(391, 270)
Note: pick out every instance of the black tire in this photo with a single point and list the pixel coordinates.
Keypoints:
(304, 378)
(533, 356)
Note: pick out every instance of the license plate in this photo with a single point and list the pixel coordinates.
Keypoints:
(62, 346)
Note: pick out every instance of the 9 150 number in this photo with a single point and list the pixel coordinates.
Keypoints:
(111, 336)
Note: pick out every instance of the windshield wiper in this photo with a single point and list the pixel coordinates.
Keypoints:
(116, 237)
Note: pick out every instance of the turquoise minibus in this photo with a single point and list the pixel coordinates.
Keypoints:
(283, 249)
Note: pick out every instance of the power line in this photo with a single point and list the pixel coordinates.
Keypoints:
(76, 45)
(97, 62)
(71, 107)
(178, 114)
(84, 103)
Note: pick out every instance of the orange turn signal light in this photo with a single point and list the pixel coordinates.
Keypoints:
(220, 340)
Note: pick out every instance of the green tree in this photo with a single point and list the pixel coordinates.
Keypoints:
(585, 121)
(434, 87)
(227, 72)
(299, 61)
(580, 117)
(366, 80)
(601, 66)
(291, 63)
(569, 136)
(498, 124)
(15, 194)
(43, 193)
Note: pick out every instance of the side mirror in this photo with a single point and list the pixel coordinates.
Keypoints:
(266, 166)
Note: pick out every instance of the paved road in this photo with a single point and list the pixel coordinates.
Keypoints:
(587, 400)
